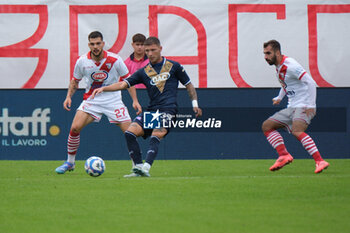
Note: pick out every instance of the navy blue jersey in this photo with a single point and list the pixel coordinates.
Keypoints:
(161, 81)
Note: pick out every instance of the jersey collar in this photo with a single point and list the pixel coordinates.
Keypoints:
(132, 57)
(283, 59)
(163, 61)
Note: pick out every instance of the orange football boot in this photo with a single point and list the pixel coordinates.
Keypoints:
(281, 162)
(321, 165)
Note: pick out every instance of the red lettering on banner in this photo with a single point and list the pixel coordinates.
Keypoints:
(201, 58)
(313, 10)
(22, 49)
(75, 10)
(233, 11)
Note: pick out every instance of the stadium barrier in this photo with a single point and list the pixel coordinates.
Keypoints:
(34, 126)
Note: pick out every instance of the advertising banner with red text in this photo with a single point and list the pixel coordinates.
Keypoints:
(219, 42)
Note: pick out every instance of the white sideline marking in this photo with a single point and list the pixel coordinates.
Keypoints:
(229, 177)
(234, 177)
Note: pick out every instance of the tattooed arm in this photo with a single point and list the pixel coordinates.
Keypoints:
(73, 86)
(193, 96)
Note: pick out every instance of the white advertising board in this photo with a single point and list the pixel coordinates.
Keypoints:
(219, 42)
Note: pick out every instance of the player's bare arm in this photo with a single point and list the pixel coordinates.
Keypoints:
(310, 111)
(113, 87)
(277, 100)
(73, 86)
(193, 96)
(135, 102)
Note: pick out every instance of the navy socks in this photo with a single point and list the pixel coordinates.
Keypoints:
(133, 147)
(153, 149)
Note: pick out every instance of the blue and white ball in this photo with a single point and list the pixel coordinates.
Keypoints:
(95, 166)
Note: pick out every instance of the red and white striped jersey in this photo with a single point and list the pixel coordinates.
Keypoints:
(296, 83)
(109, 70)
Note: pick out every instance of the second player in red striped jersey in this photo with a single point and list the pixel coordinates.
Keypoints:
(98, 68)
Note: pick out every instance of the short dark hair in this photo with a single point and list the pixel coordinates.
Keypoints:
(138, 38)
(95, 34)
(151, 41)
(274, 44)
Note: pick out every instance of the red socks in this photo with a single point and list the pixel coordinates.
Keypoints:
(276, 141)
(73, 142)
(310, 146)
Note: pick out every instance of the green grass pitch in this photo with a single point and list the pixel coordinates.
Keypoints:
(204, 196)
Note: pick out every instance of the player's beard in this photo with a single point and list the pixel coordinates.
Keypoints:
(272, 61)
(98, 54)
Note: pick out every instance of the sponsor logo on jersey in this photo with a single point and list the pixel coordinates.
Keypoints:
(290, 93)
(99, 76)
(160, 78)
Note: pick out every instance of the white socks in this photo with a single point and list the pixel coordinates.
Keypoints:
(71, 159)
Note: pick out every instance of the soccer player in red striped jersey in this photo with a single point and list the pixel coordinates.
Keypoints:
(300, 89)
(98, 68)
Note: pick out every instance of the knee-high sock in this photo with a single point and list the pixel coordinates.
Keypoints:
(310, 146)
(133, 147)
(276, 141)
(153, 149)
(72, 145)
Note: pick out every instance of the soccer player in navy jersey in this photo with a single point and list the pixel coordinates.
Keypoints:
(161, 77)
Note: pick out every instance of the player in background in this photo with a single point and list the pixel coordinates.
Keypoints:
(138, 59)
(161, 77)
(300, 89)
(99, 68)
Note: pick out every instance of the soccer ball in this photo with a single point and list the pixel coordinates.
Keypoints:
(95, 166)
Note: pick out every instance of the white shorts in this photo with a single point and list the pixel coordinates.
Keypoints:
(116, 112)
(288, 115)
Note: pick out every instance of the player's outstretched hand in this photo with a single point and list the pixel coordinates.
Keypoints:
(67, 103)
(137, 107)
(96, 92)
(197, 111)
(276, 101)
(310, 112)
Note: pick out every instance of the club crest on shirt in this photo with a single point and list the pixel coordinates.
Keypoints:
(109, 65)
(282, 76)
(99, 76)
